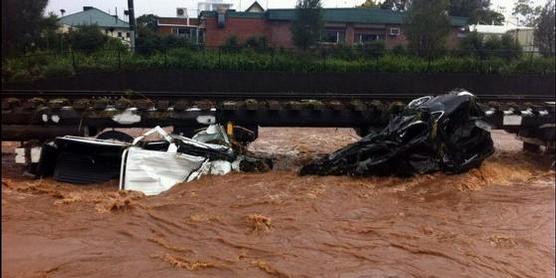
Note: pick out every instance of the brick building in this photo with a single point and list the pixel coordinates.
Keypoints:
(184, 27)
(342, 25)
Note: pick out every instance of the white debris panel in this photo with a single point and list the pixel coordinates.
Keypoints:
(184, 160)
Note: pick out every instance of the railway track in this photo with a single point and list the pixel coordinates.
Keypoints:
(88, 94)
(44, 114)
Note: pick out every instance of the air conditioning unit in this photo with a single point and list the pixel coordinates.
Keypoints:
(394, 32)
(181, 12)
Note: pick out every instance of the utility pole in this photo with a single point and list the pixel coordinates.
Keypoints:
(132, 27)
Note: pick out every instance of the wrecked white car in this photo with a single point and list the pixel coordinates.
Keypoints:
(144, 165)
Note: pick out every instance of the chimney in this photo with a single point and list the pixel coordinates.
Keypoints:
(85, 8)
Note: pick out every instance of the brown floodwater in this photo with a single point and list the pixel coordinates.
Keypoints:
(495, 221)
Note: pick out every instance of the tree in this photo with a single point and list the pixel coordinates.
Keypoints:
(395, 5)
(544, 31)
(526, 12)
(308, 23)
(21, 24)
(147, 23)
(505, 46)
(370, 4)
(148, 39)
(87, 38)
(478, 11)
(48, 35)
(467, 7)
(472, 44)
(481, 16)
(427, 26)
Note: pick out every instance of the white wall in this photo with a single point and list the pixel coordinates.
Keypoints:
(114, 34)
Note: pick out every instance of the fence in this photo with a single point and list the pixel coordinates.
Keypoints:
(323, 59)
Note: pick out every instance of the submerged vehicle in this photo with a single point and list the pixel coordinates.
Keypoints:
(446, 132)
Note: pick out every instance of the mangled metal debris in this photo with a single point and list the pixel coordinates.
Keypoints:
(443, 133)
(147, 166)
(446, 133)
(81, 160)
(185, 159)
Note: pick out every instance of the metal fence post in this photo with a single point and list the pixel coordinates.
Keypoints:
(28, 63)
(219, 54)
(272, 57)
(481, 54)
(165, 58)
(531, 61)
(73, 61)
(324, 59)
(119, 60)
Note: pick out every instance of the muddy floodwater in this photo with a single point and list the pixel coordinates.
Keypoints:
(495, 221)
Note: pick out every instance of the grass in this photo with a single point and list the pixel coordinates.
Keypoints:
(46, 65)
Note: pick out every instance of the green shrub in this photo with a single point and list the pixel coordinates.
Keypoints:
(472, 44)
(534, 65)
(341, 51)
(510, 48)
(374, 48)
(231, 44)
(257, 43)
(58, 70)
(87, 38)
(476, 45)
(340, 59)
(148, 44)
(114, 44)
(399, 50)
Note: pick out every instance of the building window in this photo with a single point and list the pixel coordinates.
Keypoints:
(201, 36)
(364, 38)
(119, 34)
(183, 32)
(394, 32)
(127, 34)
(333, 36)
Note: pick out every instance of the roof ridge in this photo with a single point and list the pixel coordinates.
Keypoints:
(343, 8)
(109, 14)
(93, 8)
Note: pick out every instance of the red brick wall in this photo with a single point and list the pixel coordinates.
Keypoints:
(393, 41)
(350, 34)
(242, 28)
(165, 29)
(279, 34)
(175, 20)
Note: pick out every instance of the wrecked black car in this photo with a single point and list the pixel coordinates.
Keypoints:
(446, 133)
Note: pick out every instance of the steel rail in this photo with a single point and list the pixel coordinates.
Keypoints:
(75, 94)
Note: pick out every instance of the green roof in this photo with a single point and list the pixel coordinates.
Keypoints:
(246, 14)
(93, 16)
(234, 13)
(351, 15)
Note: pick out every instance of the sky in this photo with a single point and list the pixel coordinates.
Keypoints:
(168, 7)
